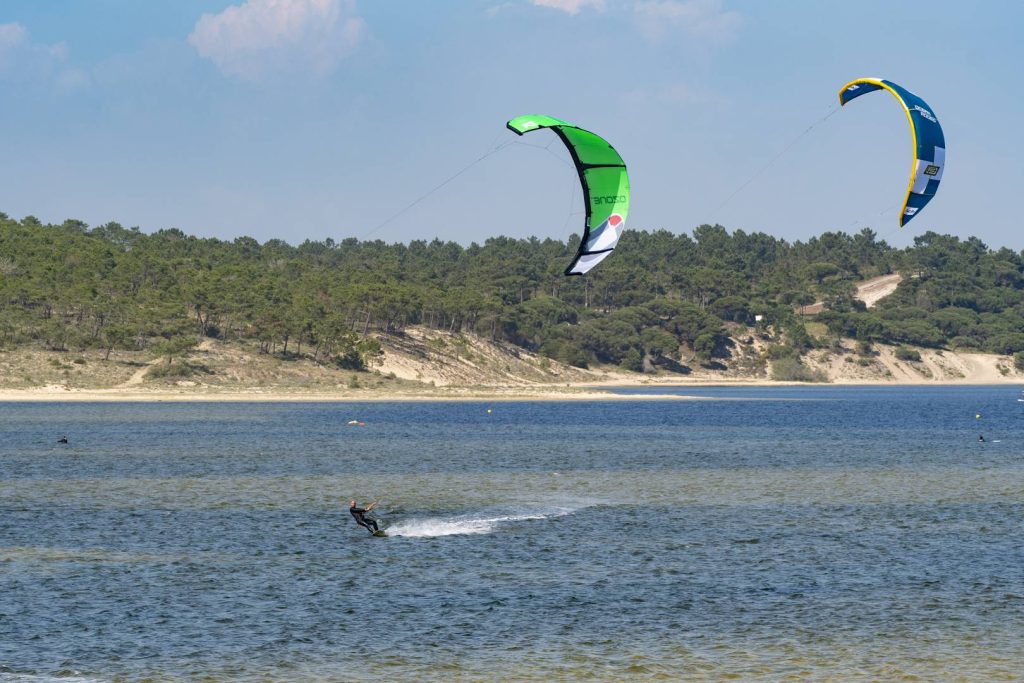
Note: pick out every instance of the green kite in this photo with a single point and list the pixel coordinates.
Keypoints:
(605, 187)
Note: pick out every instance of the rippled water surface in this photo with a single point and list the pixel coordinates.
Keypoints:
(777, 534)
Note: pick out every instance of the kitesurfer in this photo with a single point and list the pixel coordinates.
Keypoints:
(981, 438)
(62, 439)
(359, 514)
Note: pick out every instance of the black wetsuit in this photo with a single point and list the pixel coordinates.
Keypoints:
(362, 520)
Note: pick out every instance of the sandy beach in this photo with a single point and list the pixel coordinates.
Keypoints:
(511, 393)
(51, 394)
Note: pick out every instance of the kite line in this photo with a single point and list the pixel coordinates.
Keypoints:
(771, 162)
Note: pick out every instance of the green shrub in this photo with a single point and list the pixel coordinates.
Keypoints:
(917, 332)
(1006, 342)
(1018, 360)
(792, 370)
(633, 360)
(780, 351)
(171, 371)
(907, 353)
(705, 345)
(964, 343)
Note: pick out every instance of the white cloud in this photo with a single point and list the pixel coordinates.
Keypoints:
(11, 36)
(21, 59)
(266, 37)
(569, 6)
(705, 19)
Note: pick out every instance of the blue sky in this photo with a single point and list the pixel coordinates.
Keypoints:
(299, 119)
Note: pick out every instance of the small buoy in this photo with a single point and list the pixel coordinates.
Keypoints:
(488, 411)
(977, 416)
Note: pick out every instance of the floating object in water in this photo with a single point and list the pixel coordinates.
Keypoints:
(977, 416)
(488, 411)
(355, 423)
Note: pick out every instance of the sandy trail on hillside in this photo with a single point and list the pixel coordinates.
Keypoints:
(877, 288)
(870, 292)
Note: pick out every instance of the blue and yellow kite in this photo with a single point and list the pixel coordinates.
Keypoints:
(929, 143)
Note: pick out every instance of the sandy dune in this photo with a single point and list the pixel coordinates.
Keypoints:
(431, 365)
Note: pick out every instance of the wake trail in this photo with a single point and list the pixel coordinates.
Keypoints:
(483, 522)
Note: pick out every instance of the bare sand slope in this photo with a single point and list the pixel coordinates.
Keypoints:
(871, 291)
(935, 367)
(448, 359)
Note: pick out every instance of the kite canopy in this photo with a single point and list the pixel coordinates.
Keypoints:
(605, 187)
(929, 143)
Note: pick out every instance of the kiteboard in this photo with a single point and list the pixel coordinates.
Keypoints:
(379, 532)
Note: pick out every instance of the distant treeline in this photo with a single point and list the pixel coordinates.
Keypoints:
(662, 297)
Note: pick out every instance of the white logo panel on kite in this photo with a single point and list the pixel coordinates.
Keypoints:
(928, 170)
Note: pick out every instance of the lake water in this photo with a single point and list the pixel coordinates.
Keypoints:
(819, 533)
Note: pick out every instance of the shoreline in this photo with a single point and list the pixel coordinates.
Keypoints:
(603, 391)
(51, 395)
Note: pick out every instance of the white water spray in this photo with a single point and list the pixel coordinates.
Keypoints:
(480, 523)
